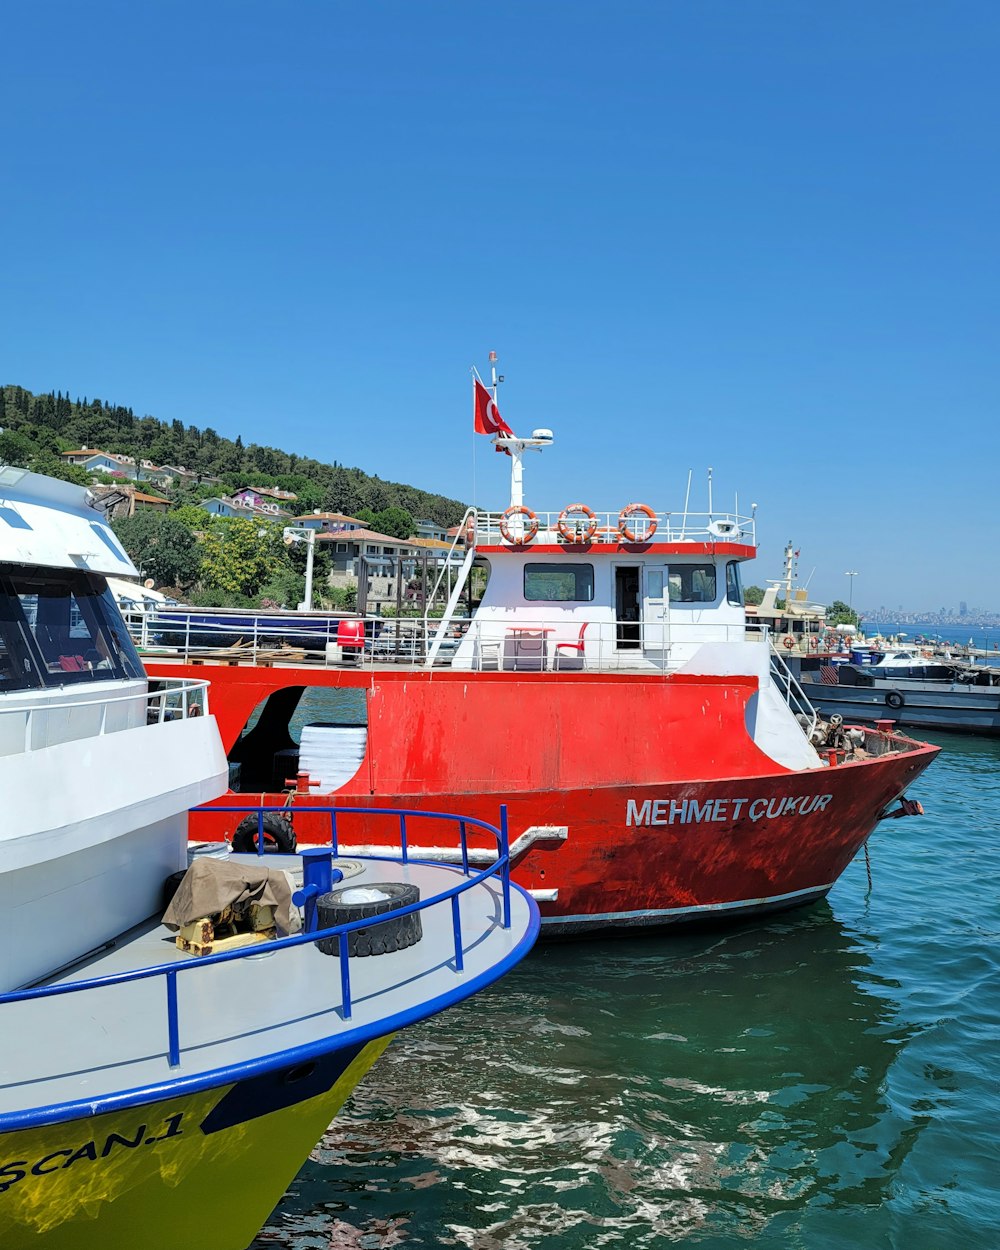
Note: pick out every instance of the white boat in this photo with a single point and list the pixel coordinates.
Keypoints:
(150, 1096)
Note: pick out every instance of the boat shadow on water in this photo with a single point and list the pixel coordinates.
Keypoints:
(705, 1087)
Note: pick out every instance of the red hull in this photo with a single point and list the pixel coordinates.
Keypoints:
(670, 811)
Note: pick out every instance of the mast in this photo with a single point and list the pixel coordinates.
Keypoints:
(514, 446)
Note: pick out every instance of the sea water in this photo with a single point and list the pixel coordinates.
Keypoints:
(827, 1079)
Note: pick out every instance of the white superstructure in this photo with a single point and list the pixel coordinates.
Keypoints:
(97, 772)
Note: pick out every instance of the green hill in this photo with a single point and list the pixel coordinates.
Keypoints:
(37, 428)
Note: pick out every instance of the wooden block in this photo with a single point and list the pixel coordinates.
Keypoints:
(197, 933)
(217, 946)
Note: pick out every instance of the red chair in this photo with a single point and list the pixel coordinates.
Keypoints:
(575, 648)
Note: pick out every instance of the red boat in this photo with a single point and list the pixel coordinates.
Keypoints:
(594, 671)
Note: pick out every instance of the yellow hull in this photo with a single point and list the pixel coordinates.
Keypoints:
(202, 1169)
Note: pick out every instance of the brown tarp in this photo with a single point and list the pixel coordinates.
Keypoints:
(211, 884)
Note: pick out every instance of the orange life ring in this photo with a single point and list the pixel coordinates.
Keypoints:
(574, 532)
(518, 540)
(788, 642)
(631, 510)
(814, 644)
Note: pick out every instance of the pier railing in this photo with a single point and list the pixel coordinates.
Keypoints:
(168, 973)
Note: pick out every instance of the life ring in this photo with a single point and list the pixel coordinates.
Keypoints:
(518, 540)
(573, 532)
(278, 835)
(813, 644)
(788, 642)
(894, 699)
(633, 509)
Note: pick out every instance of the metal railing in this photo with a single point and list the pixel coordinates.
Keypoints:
(170, 972)
(491, 641)
(603, 528)
(792, 692)
(167, 699)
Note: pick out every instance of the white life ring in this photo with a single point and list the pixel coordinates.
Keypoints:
(525, 537)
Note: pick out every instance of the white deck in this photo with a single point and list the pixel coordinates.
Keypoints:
(89, 1045)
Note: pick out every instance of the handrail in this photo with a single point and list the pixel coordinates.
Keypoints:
(171, 971)
(160, 707)
(791, 691)
(670, 528)
(461, 534)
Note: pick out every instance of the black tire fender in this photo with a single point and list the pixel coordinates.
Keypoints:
(894, 699)
(394, 934)
(279, 836)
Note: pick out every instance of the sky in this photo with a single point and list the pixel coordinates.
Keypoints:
(760, 237)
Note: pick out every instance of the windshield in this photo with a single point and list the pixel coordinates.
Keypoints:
(60, 627)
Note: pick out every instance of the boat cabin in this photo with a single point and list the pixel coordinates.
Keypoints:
(557, 594)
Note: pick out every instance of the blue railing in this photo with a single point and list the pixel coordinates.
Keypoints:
(170, 972)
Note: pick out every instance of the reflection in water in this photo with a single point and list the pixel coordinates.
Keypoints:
(647, 1090)
(827, 1080)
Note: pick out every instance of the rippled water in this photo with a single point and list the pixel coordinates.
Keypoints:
(829, 1079)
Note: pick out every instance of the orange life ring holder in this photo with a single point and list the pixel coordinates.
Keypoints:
(571, 531)
(636, 509)
(788, 642)
(518, 540)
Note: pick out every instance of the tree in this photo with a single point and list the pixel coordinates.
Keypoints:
(240, 555)
(838, 613)
(160, 547)
(192, 517)
(17, 449)
(753, 595)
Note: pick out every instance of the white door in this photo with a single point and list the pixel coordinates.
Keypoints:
(655, 609)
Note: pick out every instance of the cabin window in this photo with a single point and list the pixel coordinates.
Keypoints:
(559, 583)
(692, 583)
(61, 628)
(734, 587)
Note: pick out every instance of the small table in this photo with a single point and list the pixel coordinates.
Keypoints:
(530, 643)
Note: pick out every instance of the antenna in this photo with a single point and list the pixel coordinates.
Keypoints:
(710, 491)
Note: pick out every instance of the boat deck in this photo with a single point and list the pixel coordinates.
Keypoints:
(273, 1005)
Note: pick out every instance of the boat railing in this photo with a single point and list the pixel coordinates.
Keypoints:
(512, 641)
(98, 713)
(634, 524)
(169, 972)
(792, 692)
(187, 630)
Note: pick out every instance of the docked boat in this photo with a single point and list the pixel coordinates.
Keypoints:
(910, 688)
(796, 627)
(164, 1074)
(594, 669)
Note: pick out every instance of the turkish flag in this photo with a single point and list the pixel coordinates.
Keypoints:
(488, 420)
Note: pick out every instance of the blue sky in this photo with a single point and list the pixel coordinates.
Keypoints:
(757, 236)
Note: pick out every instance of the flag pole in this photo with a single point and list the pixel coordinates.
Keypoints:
(475, 374)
